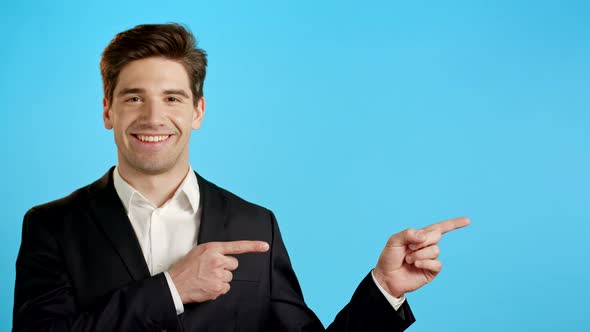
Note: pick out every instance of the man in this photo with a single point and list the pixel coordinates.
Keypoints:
(152, 246)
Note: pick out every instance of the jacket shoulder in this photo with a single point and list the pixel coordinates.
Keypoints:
(62, 203)
(75, 201)
(238, 204)
(53, 216)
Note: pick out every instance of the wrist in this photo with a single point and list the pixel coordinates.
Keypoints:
(381, 279)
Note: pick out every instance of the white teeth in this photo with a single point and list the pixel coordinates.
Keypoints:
(145, 138)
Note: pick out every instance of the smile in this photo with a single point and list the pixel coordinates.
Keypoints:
(149, 138)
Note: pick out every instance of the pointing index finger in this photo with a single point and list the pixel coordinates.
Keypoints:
(242, 247)
(448, 225)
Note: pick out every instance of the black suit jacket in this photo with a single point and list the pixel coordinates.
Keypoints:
(80, 268)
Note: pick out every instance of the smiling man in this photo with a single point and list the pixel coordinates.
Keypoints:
(153, 246)
(152, 113)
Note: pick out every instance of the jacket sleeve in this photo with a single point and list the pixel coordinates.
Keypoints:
(44, 298)
(368, 309)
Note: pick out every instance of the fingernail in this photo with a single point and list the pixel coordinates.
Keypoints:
(264, 246)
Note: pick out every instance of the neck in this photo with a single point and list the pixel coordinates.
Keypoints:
(157, 188)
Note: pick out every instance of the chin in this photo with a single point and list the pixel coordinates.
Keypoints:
(153, 167)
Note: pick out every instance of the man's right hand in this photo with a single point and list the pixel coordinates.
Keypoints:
(205, 272)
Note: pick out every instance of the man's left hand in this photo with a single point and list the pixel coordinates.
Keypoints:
(409, 260)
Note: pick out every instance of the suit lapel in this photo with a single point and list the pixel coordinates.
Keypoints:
(214, 207)
(109, 214)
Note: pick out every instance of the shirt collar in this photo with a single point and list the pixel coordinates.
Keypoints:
(188, 190)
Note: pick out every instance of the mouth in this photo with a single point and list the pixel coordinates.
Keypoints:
(152, 139)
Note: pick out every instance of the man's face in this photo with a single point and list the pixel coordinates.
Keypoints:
(152, 115)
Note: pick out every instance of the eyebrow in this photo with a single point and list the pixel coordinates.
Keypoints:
(179, 92)
(127, 91)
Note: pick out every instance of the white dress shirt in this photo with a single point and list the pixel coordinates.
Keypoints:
(165, 233)
(169, 232)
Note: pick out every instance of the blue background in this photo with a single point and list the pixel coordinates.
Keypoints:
(351, 120)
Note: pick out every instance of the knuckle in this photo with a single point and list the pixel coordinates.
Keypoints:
(218, 287)
(238, 247)
(217, 261)
(437, 236)
(205, 252)
(436, 250)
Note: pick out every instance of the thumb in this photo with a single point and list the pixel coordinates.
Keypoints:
(406, 237)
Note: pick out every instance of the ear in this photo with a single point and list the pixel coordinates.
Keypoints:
(106, 114)
(199, 113)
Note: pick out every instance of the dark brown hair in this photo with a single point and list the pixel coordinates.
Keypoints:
(171, 41)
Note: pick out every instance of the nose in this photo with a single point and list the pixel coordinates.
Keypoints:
(152, 112)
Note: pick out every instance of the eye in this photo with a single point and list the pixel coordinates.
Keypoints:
(172, 99)
(134, 99)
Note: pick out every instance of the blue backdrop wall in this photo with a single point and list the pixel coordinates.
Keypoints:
(351, 120)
